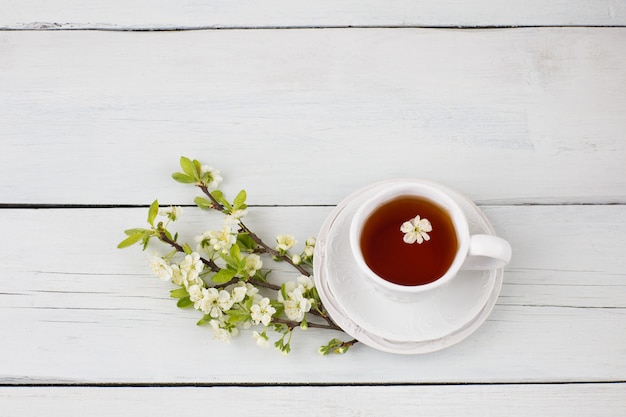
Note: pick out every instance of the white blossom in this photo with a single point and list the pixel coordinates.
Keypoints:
(161, 268)
(261, 339)
(202, 241)
(296, 259)
(222, 240)
(195, 295)
(311, 241)
(285, 242)
(306, 282)
(173, 212)
(308, 251)
(233, 218)
(191, 266)
(215, 179)
(416, 230)
(252, 265)
(178, 277)
(214, 302)
(251, 290)
(238, 293)
(220, 333)
(262, 312)
(296, 305)
(289, 286)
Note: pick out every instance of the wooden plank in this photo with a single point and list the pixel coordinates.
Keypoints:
(73, 309)
(306, 116)
(607, 400)
(171, 14)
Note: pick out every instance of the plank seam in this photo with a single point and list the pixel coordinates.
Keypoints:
(46, 26)
(295, 384)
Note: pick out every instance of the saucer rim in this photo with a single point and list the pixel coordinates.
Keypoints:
(380, 342)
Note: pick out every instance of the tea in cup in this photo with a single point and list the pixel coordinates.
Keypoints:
(413, 237)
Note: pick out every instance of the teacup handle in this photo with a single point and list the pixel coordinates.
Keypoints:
(487, 252)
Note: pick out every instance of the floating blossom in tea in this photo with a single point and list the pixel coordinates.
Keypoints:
(416, 230)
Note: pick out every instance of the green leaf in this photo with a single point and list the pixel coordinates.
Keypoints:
(203, 203)
(188, 250)
(278, 306)
(184, 302)
(129, 232)
(184, 178)
(238, 313)
(238, 316)
(224, 275)
(241, 266)
(240, 200)
(205, 319)
(235, 253)
(189, 168)
(198, 166)
(246, 242)
(152, 213)
(130, 240)
(145, 241)
(179, 293)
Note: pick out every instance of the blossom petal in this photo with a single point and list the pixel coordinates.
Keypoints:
(406, 227)
(425, 225)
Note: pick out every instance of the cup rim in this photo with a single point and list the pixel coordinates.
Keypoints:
(392, 192)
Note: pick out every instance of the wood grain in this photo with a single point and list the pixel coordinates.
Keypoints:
(305, 116)
(474, 401)
(172, 14)
(77, 310)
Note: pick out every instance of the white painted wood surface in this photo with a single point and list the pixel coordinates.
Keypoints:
(177, 14)
(536, 115)
(93, 313)
(529, 122)
(472, 401)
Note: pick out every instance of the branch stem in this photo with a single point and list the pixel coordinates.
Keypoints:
(163, 237)
(293, 324)
(266, 248)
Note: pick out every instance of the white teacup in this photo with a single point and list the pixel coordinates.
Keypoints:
(399, 269)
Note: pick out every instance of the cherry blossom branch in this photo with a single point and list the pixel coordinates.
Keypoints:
(215, 268)
(321, 312)
(266, 248)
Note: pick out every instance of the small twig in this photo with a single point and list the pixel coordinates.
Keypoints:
(163, 237)
(293, 324)
(267, 249)
(271, 251)
(216, 204)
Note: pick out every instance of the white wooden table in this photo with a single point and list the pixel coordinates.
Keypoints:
(520, 105)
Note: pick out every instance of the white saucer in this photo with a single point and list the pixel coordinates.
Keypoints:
(436, 322)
